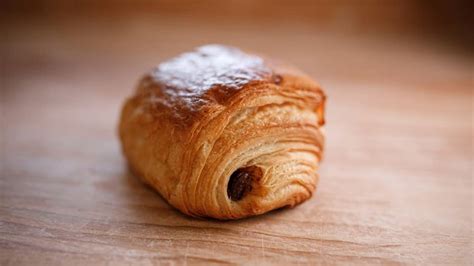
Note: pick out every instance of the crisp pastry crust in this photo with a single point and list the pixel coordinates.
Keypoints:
(225, 134)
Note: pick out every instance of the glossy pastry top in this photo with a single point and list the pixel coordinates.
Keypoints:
(193, 73)
(185, 87)
(208, 75)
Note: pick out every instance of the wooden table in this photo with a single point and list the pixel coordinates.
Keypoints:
(396, 183)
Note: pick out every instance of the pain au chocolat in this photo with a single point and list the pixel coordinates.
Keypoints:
(223, 133)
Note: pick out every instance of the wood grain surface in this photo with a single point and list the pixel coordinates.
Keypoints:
(396, 181)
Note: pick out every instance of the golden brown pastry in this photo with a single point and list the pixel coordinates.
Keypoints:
(225, 134)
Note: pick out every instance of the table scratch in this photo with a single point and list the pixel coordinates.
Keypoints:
(186, 253)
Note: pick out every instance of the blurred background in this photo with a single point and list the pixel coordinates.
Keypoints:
(342, 38)
(451, 19)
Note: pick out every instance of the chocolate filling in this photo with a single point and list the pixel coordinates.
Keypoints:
(240, 184)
